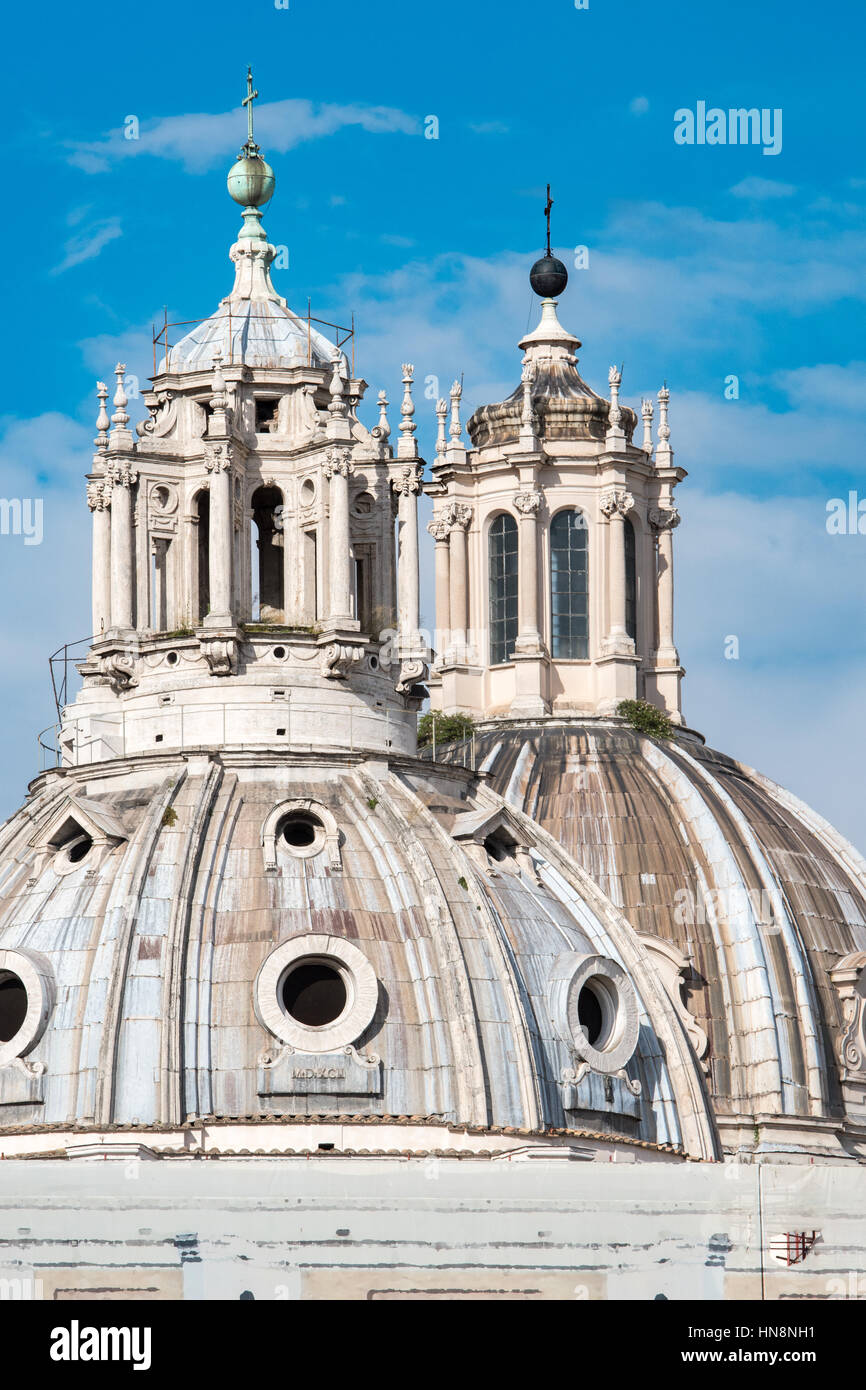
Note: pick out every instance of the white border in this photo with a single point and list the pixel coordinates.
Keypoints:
(362, 992)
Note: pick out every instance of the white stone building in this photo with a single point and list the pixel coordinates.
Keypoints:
(422, 1029)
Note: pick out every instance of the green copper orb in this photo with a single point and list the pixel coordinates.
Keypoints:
(251, 181)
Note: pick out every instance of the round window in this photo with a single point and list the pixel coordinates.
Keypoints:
(13, 1005)
(598, 1011)
(595, 1010)
(303, 833)
(279, 653)
(79, 849)
(172, 658)
(308, 492)
(314, 993)
(26, 1000)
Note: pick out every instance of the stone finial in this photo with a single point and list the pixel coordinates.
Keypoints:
(120, 419)
(218, 400)
(383, 429)
(442, 433)
(664, 453)
(102, 420)
(456, 427)
(615, 438)
(407, 409)
(647, 411)
(337, 406)
(527, 418)
(407, 446)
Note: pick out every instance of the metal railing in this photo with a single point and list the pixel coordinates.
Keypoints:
(342, 334)
(59, 662)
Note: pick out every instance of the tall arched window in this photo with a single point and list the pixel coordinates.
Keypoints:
(503, 588)
(630, 582)
(569, 586)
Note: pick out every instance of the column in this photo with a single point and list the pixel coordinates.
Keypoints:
(528, 636)
(407, 486)
(338, 468)
(663, 521)
(439, 530)
(99, 502)
(459, 517)
(122, 478)
(218, 464)
(615, 503)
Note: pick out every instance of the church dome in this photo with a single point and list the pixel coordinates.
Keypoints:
(762, 897)
(230, 937)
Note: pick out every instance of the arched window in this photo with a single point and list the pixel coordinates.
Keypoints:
(201, 607)
(267, 555)
(630, 582)
(569, 586)
(503, 588)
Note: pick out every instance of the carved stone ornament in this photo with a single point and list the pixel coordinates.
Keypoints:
(220, 653)
(338, 461)
(218, 458)
(616, 501)
(572, 1076)
(458, 516)
(120, 473)
(674, 969)
(527, 503)
(439, 528)
(119, 669)
(408, 480)
(849, 977)
(99, 496)
(664, 518)
(162, 417)
(338, 658)
(412, 671)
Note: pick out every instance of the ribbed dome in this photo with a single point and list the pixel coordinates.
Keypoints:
(166, 945)
(761, 894)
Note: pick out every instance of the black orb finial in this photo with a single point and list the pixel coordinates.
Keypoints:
(548, 277)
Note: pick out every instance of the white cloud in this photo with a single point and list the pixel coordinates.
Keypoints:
(767, 572)
(759, 190)
(86, 245)
(200, 140)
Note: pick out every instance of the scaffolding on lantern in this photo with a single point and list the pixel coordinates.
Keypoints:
(342, 334)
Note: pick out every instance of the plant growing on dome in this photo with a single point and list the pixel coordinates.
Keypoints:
(448, 728)
(646, 718)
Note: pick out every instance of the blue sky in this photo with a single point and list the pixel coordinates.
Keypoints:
(703, 262)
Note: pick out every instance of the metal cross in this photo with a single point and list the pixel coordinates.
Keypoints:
(248, 102)
(547, 215)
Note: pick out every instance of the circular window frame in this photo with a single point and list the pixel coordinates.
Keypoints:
(35, 975)
(62, 864)
(616, 996)
(359, 978)
(317, 843)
